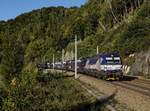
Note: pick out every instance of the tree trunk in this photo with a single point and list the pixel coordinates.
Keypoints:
(126, 10)
(139, 3)
(110, 6)
(131, 5)
(102, 26)
(135, 4)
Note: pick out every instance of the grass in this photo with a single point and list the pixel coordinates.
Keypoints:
(47, 92)
(62, 92)
(44, 92)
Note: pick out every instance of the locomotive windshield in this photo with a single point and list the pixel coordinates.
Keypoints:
(113, 60)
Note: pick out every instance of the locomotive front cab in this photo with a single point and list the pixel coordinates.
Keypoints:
(112, 66)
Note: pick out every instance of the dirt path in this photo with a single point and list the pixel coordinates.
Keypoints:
(133, 100)
(101, 85)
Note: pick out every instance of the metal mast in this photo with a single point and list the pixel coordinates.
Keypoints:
(76, 57)
(97, 50)
(53, 61)
(62, 57)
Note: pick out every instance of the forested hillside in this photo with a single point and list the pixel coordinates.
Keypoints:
(113, 25)
(121, 25)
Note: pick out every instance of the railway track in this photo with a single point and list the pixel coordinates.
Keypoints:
(136, 97)
(143, 81)
(137, 85)
(144, 90)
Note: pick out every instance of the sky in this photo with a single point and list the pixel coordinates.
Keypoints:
(9, 9)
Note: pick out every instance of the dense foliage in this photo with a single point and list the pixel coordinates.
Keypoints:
(52, 92)
(118, 25)
(32, 38)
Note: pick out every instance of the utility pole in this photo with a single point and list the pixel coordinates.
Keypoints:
(76, 57)
(97, 50)
(62, 58)
(53, 61)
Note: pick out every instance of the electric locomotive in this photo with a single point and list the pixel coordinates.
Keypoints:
(106, 65)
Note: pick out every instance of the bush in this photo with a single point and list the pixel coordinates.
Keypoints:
(54, 92)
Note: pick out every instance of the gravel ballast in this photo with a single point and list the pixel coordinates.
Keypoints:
(125, 97)
(131, 99)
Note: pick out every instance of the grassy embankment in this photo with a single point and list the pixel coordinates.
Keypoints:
(53, 92)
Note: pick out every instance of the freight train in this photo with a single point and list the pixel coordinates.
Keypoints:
(106, 66)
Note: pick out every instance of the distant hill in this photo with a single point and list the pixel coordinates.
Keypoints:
(113, 25)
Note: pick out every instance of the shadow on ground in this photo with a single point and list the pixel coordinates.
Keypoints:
(129, 78)
(98, 105)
